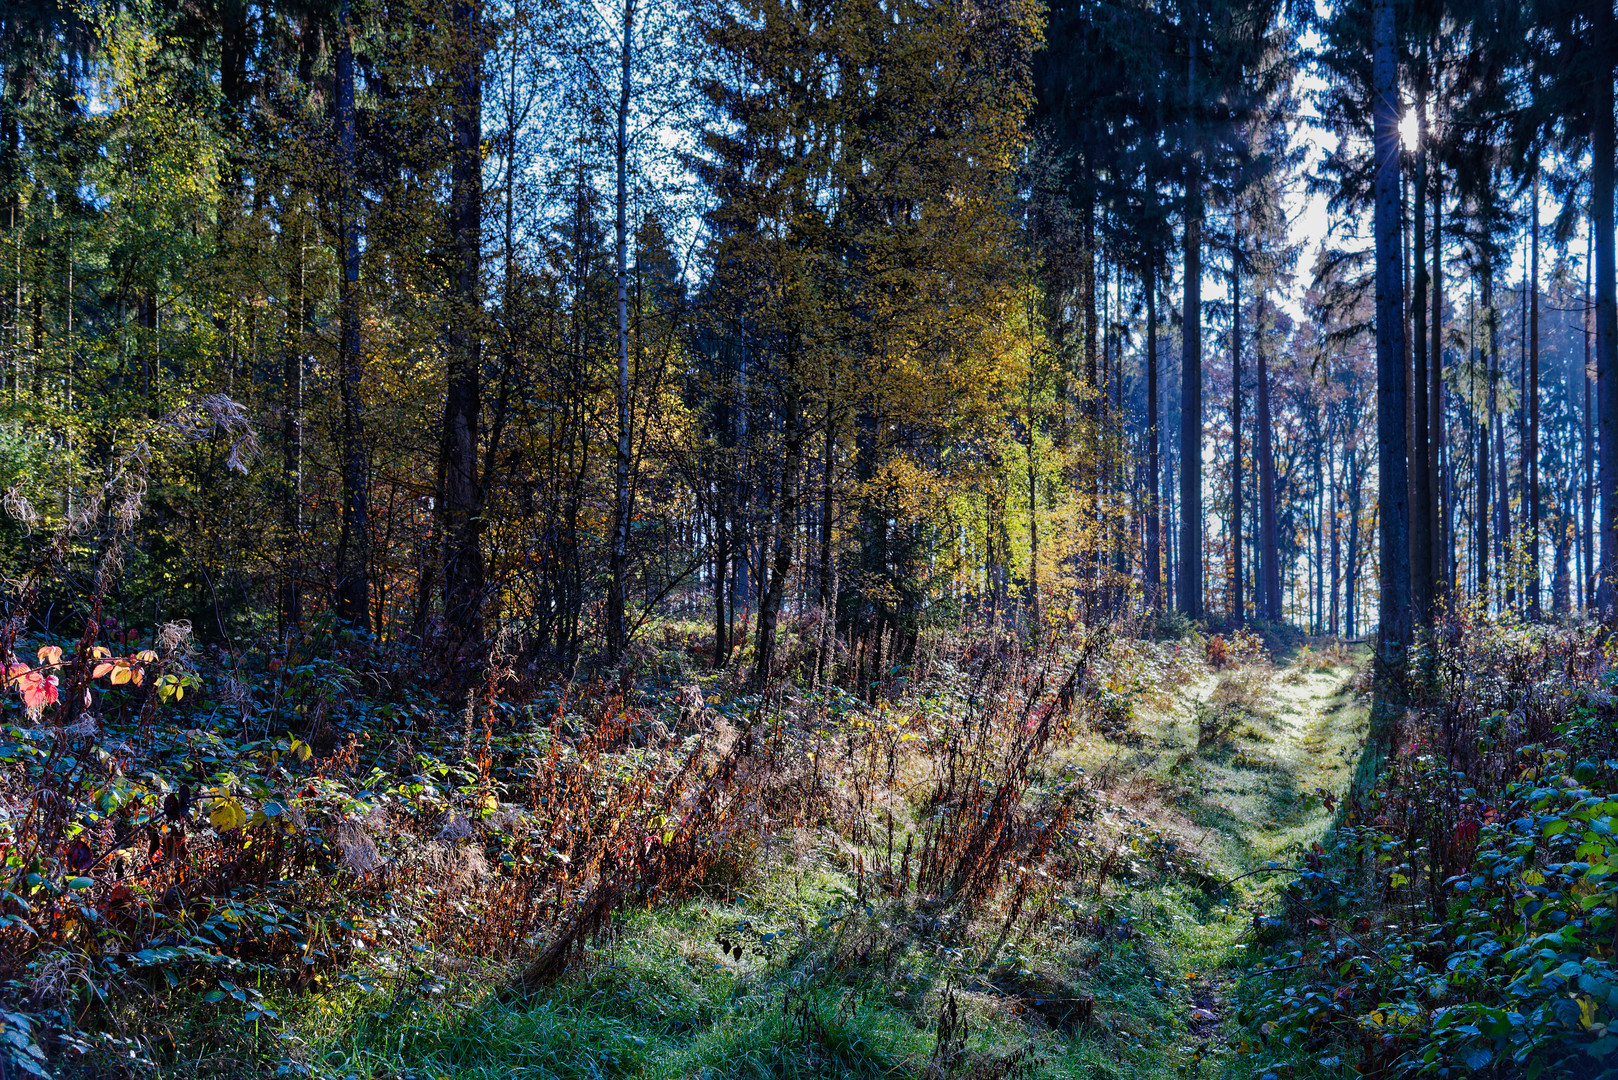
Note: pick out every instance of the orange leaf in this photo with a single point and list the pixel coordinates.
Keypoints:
(38, 689)
(50, 654)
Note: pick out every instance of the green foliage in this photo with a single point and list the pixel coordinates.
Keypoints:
(1174, 625)
(1454, 921)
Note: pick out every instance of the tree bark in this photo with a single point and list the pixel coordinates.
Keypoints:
(1154, 567)
(1531, 451)
(1502, 491)
(1606, 343)
(1587, 581)
(1269, 549)
(1392, 476)
(1190, 568)
(292, 449)
(618, 556)
(353, 549)
(1421, 492)
(463, 501)
(1333, 493)
(1442, 561)
(828, 570)
(769, 611)
(1238, 608)
(1481, 466)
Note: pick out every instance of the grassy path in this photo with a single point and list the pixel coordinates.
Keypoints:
(1239, 768)
(1248, 767)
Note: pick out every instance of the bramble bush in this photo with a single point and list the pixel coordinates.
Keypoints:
(1463, 915)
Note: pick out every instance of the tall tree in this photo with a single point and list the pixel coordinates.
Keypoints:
(1190, 599)
(353, 560)
(1531, 446)
(1392, 479)
(1421, 491)
(462, 494)
(617, 631)
(1606, 272)
(1238, 610)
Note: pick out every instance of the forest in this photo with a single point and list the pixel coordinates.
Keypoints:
(798, 538)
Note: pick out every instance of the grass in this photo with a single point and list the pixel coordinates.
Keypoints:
(1131, 979)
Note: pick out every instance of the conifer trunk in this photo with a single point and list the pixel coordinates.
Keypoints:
(1154, 569)
(353, 551)
(1587, 581)
(292, 450)
(1606, 343)
(1442, 561)
(1190, 568)
(463, 551)
(1392, 478)
(1421, 489)
(618, 556)
(1269, 553)
(1238, 609)
(1531, 450)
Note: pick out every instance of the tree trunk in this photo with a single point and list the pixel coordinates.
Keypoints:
(1033, 518)
(722, 556)
(769, 611)
(1336, 532)
(292, 450)
(1502, 503)
(1270, 554)
(353, 558)
(1587, 581)
(828, 570)
(1481, 468)
(1392, 479)
(1154, 569)
(1442, 559)
(1238, 609)
(1350, 621)
(1421, 491)
(1531, 451)
(1317, 619)
(463, 502)
(1190, 569)
(618, 557)
(1606, 343)
(1091, 469)
(1561, 590)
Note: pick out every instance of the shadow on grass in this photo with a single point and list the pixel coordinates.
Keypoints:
(630, 1016)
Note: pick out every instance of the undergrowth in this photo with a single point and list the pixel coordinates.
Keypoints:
(322, 857)
(1461, 918)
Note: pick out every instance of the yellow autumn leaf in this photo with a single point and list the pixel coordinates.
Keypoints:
(227, 814)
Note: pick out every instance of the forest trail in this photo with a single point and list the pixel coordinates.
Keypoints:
(1213, 780)
(1258, 758)
(1236, 770)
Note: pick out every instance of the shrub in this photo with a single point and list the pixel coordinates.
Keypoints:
(1173, 626)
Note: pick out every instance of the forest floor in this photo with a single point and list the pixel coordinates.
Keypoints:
(796, 972)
